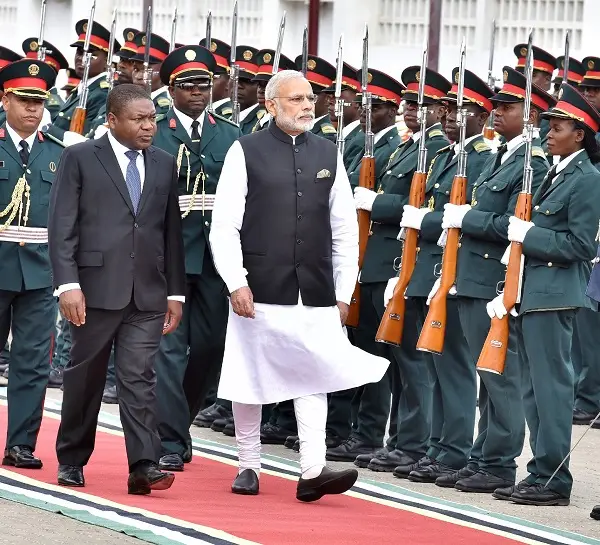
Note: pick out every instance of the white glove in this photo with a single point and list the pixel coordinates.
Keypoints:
(443, 238)
(517, 229)
(412, 217)
(71, 138)
(506, 255)
(495, 308)
(454, 215)
(436, 287)
(100, 131)
(46, 119)
(364, 198)
(389, 290)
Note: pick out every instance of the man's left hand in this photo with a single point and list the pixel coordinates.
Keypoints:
(364, 198)
(518, 228)
(172, 317)
(344, 309)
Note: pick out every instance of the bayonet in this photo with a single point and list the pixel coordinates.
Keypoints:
(110, 67)
(173, 30)
(305, 51)
(339, 101)
(147, 67)
(41, 52)
(279, 44)
(527, 125)
(366, 96)
(234, 71)
(566, 59)
(208, 42)
(422, 113)
(488, 131)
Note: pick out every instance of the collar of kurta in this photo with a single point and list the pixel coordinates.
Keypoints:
(285, 137)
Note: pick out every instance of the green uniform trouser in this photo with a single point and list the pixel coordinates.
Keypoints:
(33, 326)
(454, 396)
(62, 352)
(544, 346)
(283, 415)
(586, 361)
(501, 422)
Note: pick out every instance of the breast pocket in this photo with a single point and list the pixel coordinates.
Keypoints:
(5, 188)
(46, 186)
(493, 196)
(548, 213)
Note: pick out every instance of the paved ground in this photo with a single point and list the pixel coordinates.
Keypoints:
(575, 518)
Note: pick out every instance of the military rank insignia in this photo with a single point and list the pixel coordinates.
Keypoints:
(172, 123)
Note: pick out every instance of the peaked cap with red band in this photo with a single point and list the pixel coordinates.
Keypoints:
(128, 49)
(319, 72)
(7, 56)
(72, 80)
(573, 105)
(265, 58)
(436, 85)
(53, 56)
(159, 48)
(592, 74)
(513, 90)
(476, 90)
(186, 63)
(221, 52)
(349, 80)
(542, 60)
(576, 71)
(99, 38)
(245, 58)
(383, 88)
(28, 78)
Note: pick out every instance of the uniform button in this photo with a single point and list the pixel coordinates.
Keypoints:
(296, 150)
(135, 225)
(298, 241)
(485, 256)
(61, 114)
(536, 207)
(389, 172)
(299, 170)
(28, 171)
(459, 244)
(447, 192)
(299, 216)
(418, 249)
(494, 187)
(436, 185)
(549, 263)
(206, 224)
(547, 212)
(131, 255)
(299, 193)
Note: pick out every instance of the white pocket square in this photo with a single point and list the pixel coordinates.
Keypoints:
(323, 174)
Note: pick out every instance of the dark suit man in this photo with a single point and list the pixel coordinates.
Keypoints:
(116, 250)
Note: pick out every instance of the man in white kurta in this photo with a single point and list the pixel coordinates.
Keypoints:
(284, 239)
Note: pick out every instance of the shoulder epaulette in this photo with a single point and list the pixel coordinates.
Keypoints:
(221, 118)
(104, 84)
(161, 117)
(226, 111)
(443, 150)
(260, 114)
(481, 146)
(53, 100)
(328, 129)
(53, 138)
(538, 152)
(435, 132)
(163, 102)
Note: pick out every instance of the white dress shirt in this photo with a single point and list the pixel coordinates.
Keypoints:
(467, 140)
(382, 133)
(17, 139)
(245, 113)
(350, 127)
(562, 163)
(515, 144)
(154, 94)
(220, 102)
(186, 121)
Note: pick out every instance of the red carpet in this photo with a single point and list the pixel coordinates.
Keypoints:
(201, 495)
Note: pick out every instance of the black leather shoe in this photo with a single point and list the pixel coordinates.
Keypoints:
(482, 483)
(220, 423)
(229, 430)
(506, 492)
(582, 418)
(595, 514)
(171, 462)
(55, 378)
(246, 483)
(430, 473)
(332, 440)
(274, 434)
(386, 461)
(187, 455)
(328, 482)
(22, 457)
(147, 477)
(349, 450)
(448, 481)
(403, 471)
(296, 447)
(70, 475)
(365, 459)
(536, 494)
(206, 417)
(290, 441)
(110, 395)
(4, 365)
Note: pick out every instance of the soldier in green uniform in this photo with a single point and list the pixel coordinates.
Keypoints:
(221, 102)
(6, 57)
(57, 61)
(321, 75)
(29, 161)
(199, 140)
(96, 84)
(250, 109)
(574, 77)
(559, 244)
(454, 390)
(484, 225)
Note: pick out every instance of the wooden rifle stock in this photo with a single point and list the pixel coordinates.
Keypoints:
(367, 180)
(489, 133)
(392, 324)
(433, 333)
(493, 353)
(78, 120)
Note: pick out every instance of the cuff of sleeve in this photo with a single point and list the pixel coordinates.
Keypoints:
(180, 298)
(66, 287)
(344, 293)
(236, 283)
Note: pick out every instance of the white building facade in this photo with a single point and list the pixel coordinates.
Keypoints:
(397, 28)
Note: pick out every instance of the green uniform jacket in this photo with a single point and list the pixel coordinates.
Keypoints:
(218, 134)
(252, 119)
(97, 93)
(225, 110)
(394, 188)
(484, 228)
(27, 265)
(162, 103)
(561, 246)
(324, 128)
(439, 185)
(2, 115)
(355, 144)
(382, 151)
(54, 103)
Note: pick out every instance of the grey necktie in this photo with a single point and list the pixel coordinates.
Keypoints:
(133, 179)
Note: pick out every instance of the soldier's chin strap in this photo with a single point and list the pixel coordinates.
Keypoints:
(572, 449)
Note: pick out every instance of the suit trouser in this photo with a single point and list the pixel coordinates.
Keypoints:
(32, 316)
(544, 344)
(454, 396)
(501, 420)
(586, 361)
(184, 380)
(136, 336)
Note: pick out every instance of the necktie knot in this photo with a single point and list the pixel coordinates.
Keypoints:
(24, 145)
(132, 155)
(502, 149)
(24, 153)
(195, 134)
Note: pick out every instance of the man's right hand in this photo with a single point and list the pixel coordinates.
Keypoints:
(72, 306)
(242, 302)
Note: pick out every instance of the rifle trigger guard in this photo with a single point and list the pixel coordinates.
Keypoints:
(397, 264)
(437, 270)
(500, 287)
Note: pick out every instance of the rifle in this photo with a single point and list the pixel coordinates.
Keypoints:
(304, 68)
(566, 59)
(488, 131)
(392, 324)
(208, 42)
(78, 120)
(279, 45)
(234, 71)
(41, 52)
(493, 353)
(148, 71)
(339, 101)
(173, 30)
(366, 179)
(110, 68)
(433, 333)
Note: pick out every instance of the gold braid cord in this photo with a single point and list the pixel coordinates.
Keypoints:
(15, 206)
(183, 149)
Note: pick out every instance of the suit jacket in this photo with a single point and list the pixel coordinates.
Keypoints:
(96, 239)
(484, 229)
(561, 246)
